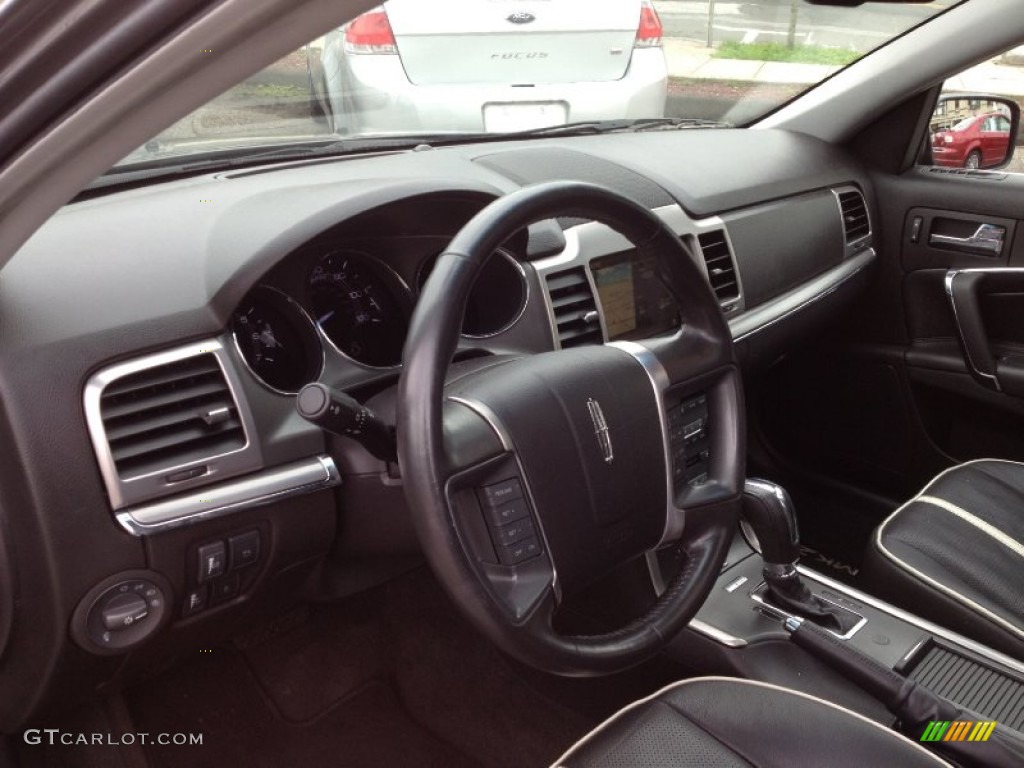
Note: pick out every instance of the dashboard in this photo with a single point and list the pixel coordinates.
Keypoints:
(152, 342)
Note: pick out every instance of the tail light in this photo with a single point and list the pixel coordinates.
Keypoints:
(370, 33)
(648, 34)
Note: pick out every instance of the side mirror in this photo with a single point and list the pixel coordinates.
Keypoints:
(973, 131)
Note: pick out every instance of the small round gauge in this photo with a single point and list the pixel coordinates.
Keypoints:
(361, 306)
(496, 300)
(277, 340)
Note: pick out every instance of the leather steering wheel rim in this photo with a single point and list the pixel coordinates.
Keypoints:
(432, 341)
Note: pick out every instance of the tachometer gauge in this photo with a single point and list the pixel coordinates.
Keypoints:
(361, 306)
(497, 299)
(277, 340)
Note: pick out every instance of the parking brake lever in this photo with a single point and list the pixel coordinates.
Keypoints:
(342, 414)
(912, 703)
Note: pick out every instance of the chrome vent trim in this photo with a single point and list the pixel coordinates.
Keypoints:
(168, 422)
(720, 266)
(307, 476)
(853, 209)
(577, 321)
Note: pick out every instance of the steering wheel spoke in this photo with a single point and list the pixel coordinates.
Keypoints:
(494, 516)
(531, 478)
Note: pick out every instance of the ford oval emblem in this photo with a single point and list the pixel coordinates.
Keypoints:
(521, 17)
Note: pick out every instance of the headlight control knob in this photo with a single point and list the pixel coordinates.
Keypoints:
(121, 612)
(125, 610)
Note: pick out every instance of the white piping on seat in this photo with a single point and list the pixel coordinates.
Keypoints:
(964, 515)
(771, 686)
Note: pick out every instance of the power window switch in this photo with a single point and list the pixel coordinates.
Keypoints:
(244, 549)
(213, 561)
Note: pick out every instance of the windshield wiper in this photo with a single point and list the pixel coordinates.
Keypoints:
(584, 127)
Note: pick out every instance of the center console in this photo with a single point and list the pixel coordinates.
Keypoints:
(748, 633)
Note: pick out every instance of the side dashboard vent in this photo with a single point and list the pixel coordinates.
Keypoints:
(170, 415)
(572, 301)
(855, 215)
(721, 269)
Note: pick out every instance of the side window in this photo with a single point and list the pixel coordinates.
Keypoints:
(973, 123)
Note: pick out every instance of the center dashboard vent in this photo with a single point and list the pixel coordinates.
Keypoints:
(165, 421)
(855, 215)
(720, 266)
(575, 310)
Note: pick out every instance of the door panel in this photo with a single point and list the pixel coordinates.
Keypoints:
(890, 399)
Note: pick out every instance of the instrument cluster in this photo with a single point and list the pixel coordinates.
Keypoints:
(352, 303)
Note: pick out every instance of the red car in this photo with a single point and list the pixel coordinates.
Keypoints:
(980, 141)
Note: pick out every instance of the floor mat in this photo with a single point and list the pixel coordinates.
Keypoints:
(394, 677)
(218, 698)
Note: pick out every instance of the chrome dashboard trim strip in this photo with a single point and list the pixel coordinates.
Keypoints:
(296, 479)
(768, 314)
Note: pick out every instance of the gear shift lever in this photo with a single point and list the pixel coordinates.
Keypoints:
(768, 513)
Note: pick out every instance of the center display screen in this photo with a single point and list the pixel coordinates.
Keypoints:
(635, 302)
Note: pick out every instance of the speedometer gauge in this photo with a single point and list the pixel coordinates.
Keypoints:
(361, 306)
(277, 340)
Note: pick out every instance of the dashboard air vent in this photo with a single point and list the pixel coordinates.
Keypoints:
(855, 215)
(575, 310)
(721, 269)
(170, 415)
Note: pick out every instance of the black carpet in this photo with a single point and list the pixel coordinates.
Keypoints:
(392, 678)
(219, 698)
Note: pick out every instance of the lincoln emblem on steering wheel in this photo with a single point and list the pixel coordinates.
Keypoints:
(604, 437)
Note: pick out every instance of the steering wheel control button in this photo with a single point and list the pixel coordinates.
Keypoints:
(196, 601)
(499, 493)
(520, 552)
(213, 561)
(224, 589)
(513, 533)
(124, 609)
(244, 549)
(688, 437)
(507, 512)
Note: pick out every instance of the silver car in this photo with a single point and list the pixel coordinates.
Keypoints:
(502, 67)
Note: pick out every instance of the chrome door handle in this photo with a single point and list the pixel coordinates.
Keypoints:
(964, 290)
(988, 238)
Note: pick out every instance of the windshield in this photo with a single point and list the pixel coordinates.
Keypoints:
(429, 71)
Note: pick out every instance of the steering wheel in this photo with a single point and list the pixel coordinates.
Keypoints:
(531, 477)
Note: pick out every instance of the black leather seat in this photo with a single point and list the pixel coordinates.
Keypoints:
(954, 554)
(724, 722)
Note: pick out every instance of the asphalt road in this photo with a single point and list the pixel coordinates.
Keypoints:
(861, 29)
